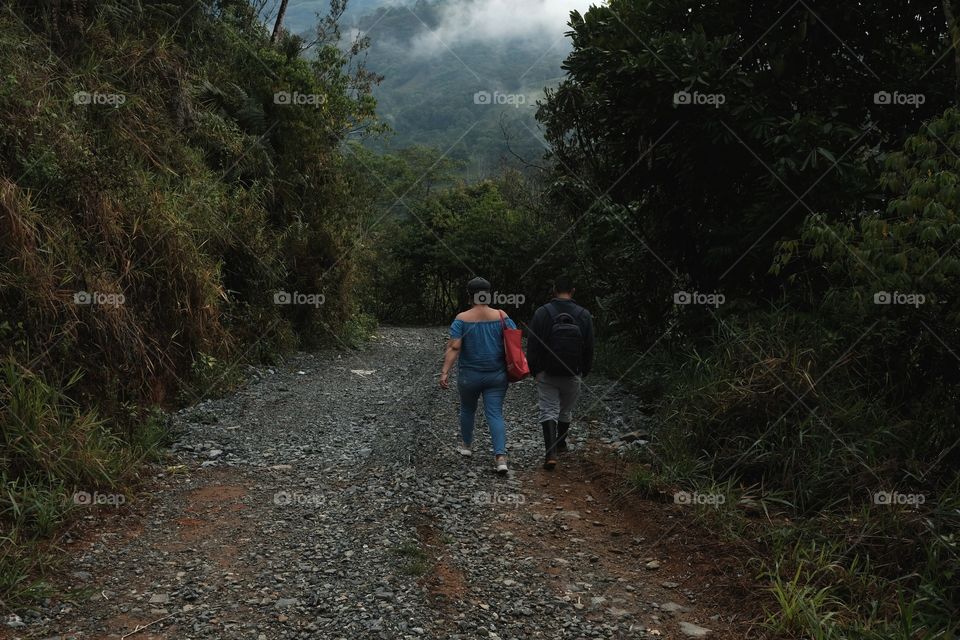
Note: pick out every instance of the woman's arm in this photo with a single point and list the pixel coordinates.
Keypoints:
(451, 355)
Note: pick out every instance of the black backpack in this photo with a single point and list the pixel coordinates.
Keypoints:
(564, 355)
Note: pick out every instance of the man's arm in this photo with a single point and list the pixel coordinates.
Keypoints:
(535, 347)
(588, 344)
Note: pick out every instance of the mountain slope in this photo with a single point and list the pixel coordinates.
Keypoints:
(479, 96)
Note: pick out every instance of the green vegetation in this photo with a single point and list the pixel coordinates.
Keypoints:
(820, 389)
(155, 196)
(445, 232)
(414, 560)
(51, 448)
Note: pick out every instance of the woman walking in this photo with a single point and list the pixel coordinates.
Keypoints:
(476, 345)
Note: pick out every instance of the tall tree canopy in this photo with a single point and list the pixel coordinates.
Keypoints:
(712, 129)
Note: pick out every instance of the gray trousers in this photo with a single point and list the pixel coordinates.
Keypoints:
(558, 396)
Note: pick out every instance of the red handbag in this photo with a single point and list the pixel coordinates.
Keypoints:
(517, 367)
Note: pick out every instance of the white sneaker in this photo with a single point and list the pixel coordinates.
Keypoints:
(464, 450)
(501, 462)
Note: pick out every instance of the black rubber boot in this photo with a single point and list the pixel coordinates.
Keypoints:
(549, 443)
(562, 429)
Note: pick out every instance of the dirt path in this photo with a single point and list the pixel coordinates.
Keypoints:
(325, 500)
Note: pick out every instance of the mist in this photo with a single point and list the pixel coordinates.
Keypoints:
(473, 21)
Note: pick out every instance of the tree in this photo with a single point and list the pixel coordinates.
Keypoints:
(713, 130)
(278, 25)
(900, 265)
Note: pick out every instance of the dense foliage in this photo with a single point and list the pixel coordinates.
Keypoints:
(702, 133)
(158, 189)
(767, 152)
(442, 232)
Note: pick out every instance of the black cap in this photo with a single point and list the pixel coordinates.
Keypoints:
(478, 284)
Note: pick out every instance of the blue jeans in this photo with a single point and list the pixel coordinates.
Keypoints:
(492, 385)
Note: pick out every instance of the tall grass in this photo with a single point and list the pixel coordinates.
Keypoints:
(192, 201)
(790, 419)
(51, 448)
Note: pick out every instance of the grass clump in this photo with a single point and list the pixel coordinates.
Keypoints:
(414, 560)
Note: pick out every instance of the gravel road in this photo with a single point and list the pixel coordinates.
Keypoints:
(325, 499)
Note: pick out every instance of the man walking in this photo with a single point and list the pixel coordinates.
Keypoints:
(560, 353)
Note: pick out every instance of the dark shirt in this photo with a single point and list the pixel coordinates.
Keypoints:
(539, 333)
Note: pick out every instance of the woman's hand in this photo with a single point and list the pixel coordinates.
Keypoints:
(444, 380)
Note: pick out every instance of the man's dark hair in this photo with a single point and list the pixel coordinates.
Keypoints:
(563, 284)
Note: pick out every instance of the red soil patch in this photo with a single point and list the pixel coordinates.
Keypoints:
(444, 582)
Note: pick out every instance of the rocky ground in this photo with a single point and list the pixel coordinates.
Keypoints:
(325, 499)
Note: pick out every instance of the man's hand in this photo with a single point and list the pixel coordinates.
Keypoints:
(444, 380)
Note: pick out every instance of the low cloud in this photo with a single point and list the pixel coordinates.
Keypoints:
(474, 21)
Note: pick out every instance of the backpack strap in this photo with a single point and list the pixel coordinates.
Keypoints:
(554, 312)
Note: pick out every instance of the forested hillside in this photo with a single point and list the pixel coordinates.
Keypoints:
(302, 16)
(472, 98)
(463, 77)
(160, 202)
